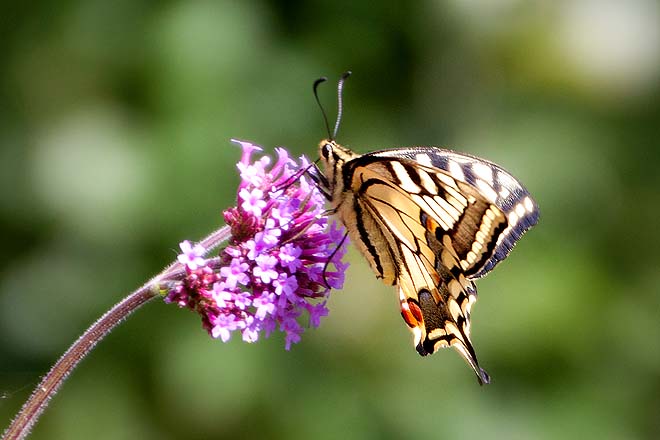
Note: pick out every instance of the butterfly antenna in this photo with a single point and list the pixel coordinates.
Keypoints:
(294, 178)
(318, 101)
(340, 101)
(332, 256)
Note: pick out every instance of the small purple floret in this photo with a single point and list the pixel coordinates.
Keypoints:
(191, 256)
(276, 266)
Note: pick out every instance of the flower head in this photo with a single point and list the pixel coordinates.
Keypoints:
(282, 259)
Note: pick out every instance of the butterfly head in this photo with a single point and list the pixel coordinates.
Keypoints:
(333, 157)
(331, 153)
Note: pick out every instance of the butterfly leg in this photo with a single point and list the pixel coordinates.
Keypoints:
(319, 178)
(332, 256)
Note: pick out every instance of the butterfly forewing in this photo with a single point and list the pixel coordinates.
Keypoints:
(429, 221)
(494, 183)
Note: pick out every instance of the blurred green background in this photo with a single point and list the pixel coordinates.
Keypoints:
(115, 120)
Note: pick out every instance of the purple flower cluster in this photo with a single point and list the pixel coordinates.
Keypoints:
(276, 265)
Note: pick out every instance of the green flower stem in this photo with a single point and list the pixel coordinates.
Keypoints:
(38, 401)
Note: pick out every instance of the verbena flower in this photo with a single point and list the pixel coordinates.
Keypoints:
(277, 264)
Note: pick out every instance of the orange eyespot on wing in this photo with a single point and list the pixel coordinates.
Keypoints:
(411, 313)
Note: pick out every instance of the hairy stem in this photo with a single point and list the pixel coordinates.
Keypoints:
(50, 384)
(42, 394)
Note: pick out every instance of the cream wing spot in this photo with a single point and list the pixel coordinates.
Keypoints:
(480, 236)
(513, 219)
(455, 288)
(465, 307)
(406, 182)
(424, 159)
(504, 234)
(402, 298)
(446, 180)
(455, 309)
(437, 333)
(529, 205)
(449, 247)
(452, 329)
(417, 335)
(487, 190)
(483, 171)
(427, 182)
(446, 258)
(461, 279)
(456, 171)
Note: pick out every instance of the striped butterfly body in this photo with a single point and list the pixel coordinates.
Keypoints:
(429, 221)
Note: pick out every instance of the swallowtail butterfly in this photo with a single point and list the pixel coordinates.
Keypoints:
(429, 221)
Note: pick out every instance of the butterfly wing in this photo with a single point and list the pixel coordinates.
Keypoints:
(418, 227)
(496, 186)
(467, 219)
(429, 221)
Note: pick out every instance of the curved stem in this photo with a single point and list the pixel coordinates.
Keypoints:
(40, 398)
(50, 384)
(216, 238)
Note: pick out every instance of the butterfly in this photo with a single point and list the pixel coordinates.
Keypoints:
(429, 221)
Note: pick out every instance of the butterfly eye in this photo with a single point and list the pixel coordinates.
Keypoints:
(326, 151)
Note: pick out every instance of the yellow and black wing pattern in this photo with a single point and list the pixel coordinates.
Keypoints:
(429, 221)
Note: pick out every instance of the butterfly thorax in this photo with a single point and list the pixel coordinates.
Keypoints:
(334, 158)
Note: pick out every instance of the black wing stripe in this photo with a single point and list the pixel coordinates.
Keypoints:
(364, 237)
